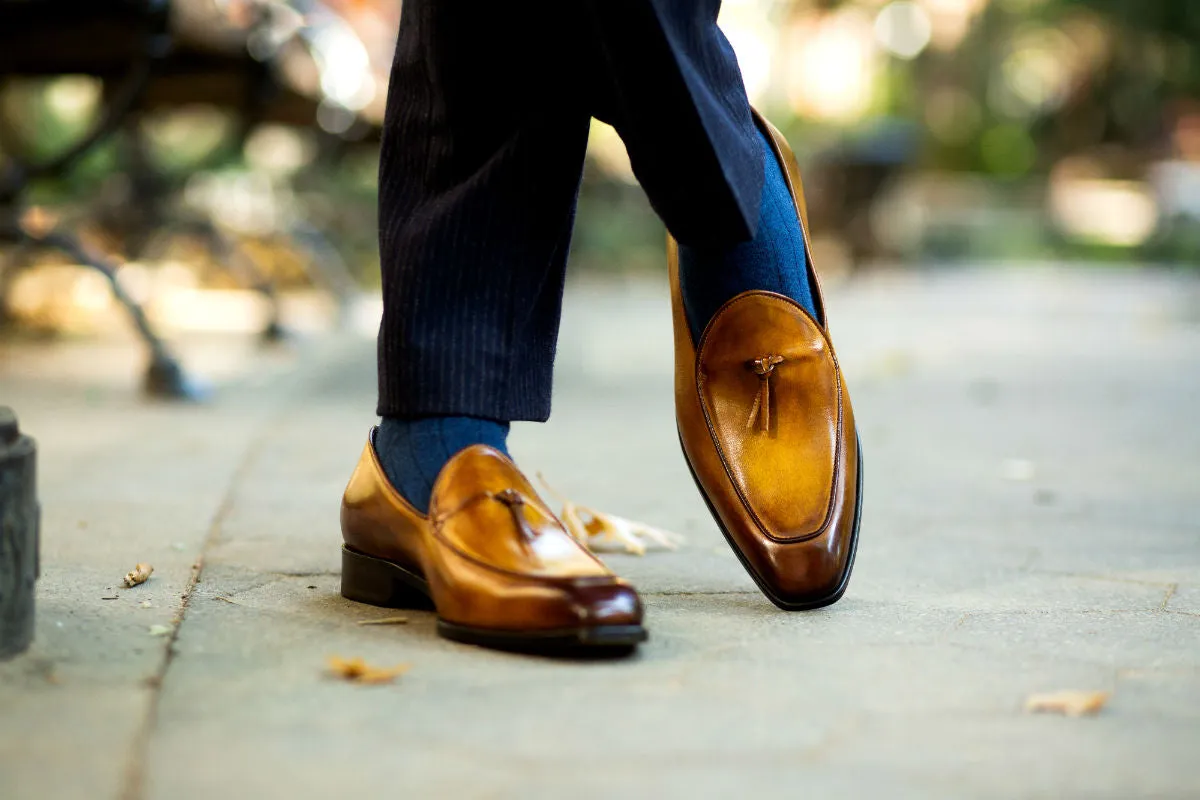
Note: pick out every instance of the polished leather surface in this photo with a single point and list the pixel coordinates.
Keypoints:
(493, 553)
(766, 424)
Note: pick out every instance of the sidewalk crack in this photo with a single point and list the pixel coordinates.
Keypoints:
(134, 780)
(670, 593)
(1174, 587)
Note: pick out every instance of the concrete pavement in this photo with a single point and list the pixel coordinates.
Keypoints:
(1031, 523)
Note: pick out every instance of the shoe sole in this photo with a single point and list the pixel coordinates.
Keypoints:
(764, 587)
(379, 582)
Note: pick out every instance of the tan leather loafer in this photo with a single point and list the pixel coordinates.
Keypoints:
(768, 432)
(499, 567)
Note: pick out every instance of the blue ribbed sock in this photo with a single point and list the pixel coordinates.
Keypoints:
(773, 260)
(413, 451)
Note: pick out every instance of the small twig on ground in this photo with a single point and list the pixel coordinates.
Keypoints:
(139, 574)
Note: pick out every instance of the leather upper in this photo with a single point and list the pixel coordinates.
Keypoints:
(493, 553)
(481, 495)
(767, 426)
(775, 423)
(376, 519)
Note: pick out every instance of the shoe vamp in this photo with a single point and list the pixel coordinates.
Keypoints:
(525, 540)
(779, 443)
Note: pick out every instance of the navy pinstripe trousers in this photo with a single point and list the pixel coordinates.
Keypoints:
(483, 146)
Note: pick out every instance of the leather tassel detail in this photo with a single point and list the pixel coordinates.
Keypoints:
(515, 503)
(764, 368)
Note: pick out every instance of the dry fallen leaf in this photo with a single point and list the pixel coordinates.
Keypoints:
(605, 532)
(602, 532)
(1070, 703)
(356, 670)
(139, 574)
(160, 630)
(384, 621)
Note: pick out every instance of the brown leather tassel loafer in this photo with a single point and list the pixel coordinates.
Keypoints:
(499, 567)
(768, 432)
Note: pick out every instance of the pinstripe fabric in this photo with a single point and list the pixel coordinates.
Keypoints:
(672, 88)
(488, 113)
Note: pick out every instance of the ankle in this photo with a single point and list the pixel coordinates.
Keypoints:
(413, 451)
(774, 260)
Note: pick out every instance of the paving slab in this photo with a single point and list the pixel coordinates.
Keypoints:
(121, 481)
(1031, 523)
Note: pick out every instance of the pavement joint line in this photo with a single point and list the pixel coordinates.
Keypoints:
(1056, 659)
(1048, 612)
(1113, 578)
(134, 777)
(697, 594)
(134, 780)
(1142, 673)
(324, 573)
(1174, 587)
(225, 595)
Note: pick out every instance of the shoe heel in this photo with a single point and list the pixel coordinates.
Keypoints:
(370, 580)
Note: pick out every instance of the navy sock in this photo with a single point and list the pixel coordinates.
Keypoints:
(413, 451)
(773, 260)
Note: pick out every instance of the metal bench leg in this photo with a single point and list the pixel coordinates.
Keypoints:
(244, 268)
(164, 377)
(233, 258)
(325, 266)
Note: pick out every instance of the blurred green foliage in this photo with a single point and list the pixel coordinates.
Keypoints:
(1030, 85)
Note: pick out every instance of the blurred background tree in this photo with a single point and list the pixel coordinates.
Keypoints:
(932, 131)
(980, 129)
